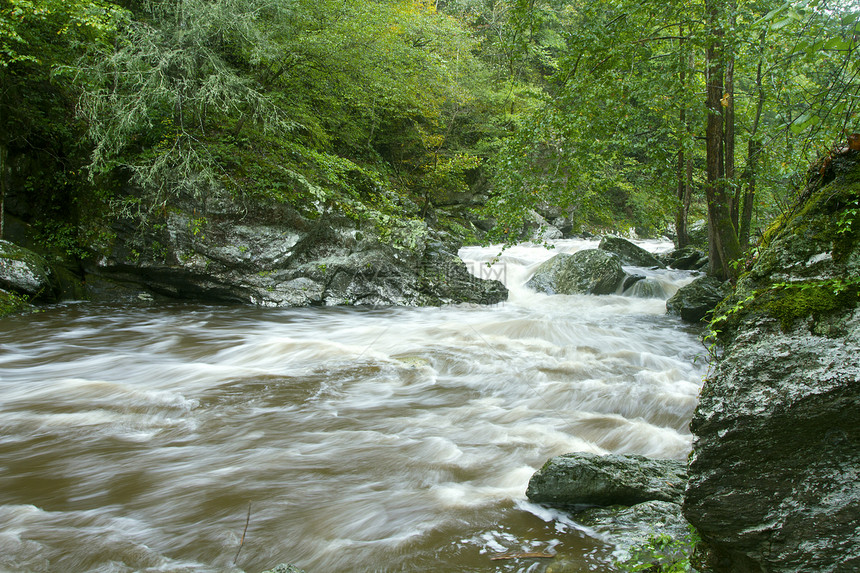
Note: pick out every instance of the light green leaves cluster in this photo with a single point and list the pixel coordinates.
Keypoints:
(27, 26)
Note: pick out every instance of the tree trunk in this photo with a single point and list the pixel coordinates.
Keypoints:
(729, 137)
(753, 152)
(4, 183)
(4, 151)
(723, 247)
(683, 239)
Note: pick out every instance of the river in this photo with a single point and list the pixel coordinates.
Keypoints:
(156, 437)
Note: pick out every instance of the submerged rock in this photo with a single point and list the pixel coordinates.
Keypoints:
(589, 271)
(585, 479)
(695, 301)
(775, 469)
(285, 568)
(629, 253)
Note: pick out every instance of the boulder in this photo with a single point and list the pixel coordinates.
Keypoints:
(590, 271)
(26, 273)
(775, 470)
(586, 479)
(629, 253)
(686, 259)
(541, 230)
(274, 256)
(697, 300)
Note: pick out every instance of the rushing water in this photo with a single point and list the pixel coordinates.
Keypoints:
(361, 439)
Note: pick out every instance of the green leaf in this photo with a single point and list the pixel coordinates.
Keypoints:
(804, 122)
(837, 44)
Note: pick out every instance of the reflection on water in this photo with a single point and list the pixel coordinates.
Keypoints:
(364, 439)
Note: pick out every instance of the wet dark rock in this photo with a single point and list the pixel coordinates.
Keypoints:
(629, 253)
(590, 271)
(585, 479)
(631, 280)
(697, 300)
(686, 259)
(775, 470)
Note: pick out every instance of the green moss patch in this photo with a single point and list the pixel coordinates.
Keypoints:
(11, 303)
(816, 300)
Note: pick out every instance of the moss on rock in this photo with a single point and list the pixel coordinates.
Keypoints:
(11, 303)
(807, 272)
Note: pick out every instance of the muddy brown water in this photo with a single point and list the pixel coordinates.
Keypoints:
(135, 438)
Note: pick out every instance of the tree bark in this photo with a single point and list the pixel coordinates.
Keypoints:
(683, 239)
(753, 154)
(4, 151)
(4, 183)
(723, 247)
(744, 230)
(729, 137)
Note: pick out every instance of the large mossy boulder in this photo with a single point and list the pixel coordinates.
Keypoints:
(695, 301)
(586, 479)
(26, 273)
(774, 480)
(629, 253)
(589, 271)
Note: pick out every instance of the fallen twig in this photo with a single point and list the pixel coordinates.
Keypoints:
(242, 541)
(523, 556)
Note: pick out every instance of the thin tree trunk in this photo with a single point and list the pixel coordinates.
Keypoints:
(723, 245)
(753, 154)
(4, 184)
(744, 230)
(683, 206)
(4, 151)
(729, 136)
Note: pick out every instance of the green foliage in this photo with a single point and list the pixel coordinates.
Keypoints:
(29, 28)
(663, 554)
(12, 303)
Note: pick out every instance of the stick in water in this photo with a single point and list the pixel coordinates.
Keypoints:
(242, 541)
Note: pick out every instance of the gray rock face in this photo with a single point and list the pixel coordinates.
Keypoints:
(775, 476)
(583, 479)
(775, 470)
(541, 229)
(629, 527)
(24, 272)
(274, 257)
(693, 302)
(590, 271)
(629, 253)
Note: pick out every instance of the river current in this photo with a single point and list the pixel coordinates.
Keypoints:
(189, 438)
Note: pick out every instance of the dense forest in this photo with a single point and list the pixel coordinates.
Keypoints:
(611, 115)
